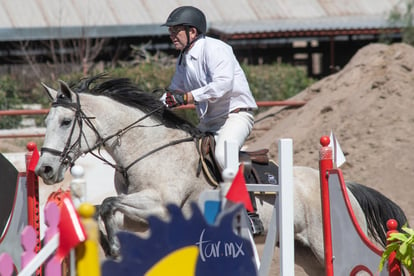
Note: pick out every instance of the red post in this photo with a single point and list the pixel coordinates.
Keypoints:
(33, 208)
(326, 164)
(394, 267)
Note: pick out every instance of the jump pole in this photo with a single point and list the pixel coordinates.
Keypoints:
(326, 164)
(33, 208)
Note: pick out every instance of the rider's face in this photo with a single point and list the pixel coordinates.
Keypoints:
(179, 37)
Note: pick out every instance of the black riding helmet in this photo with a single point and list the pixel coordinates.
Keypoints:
(187, 16)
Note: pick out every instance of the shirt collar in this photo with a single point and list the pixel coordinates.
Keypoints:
(195, 50)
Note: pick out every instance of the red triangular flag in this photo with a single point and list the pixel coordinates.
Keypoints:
(34, 160)
(71, 230)
(238, 192)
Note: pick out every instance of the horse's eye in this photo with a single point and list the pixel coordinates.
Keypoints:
(66, 122)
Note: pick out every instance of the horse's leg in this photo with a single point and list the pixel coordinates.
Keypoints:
(307, 212)
(106, 212)
(306, 259)
(136, 207)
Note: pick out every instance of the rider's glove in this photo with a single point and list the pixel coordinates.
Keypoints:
(173, 99)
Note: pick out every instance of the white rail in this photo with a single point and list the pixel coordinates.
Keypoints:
(281, 223)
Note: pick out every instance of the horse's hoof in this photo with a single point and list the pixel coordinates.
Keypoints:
(115, 253)
(115, 249)
(115, 256)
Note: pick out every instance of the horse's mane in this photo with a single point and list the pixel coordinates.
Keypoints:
(125, 92)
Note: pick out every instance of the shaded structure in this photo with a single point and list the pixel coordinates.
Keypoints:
(319, 35)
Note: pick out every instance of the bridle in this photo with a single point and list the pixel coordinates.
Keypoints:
(80, 118)
(65, 154)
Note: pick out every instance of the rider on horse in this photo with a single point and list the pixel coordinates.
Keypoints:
(209, 75)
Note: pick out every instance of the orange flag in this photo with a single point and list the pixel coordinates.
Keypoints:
(71, 230)
(238, 191)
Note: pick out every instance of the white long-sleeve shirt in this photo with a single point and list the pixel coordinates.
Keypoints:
(211, 72)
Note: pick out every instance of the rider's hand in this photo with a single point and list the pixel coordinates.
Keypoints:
(173, 99)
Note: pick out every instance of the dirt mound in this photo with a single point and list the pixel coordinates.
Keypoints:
(370, 107)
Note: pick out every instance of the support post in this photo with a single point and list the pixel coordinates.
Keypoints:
(286, 212)
(33, 207)
(87, 253)
(326, 164)
(394, 266)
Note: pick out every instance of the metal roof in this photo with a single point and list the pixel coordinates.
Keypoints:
(54, 19)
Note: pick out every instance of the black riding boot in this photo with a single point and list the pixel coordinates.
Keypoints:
(256, 224)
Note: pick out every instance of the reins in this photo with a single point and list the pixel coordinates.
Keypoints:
(172, 143)
(80, 117)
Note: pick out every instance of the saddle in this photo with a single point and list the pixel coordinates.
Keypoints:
(257, 166)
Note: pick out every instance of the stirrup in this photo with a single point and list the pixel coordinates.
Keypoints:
(256, 225)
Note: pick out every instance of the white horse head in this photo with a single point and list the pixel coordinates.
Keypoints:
(66, 121)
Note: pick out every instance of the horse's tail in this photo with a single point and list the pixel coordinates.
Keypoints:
(378, 209)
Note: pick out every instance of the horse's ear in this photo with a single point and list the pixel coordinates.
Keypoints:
(51, 93)
(65, 90)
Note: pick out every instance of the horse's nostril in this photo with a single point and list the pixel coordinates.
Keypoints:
(47, 169)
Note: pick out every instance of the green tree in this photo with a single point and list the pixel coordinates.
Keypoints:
(9, 99)
(277, 81)
(401, 16)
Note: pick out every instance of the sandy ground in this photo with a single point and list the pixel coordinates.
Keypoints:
(368, 105)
